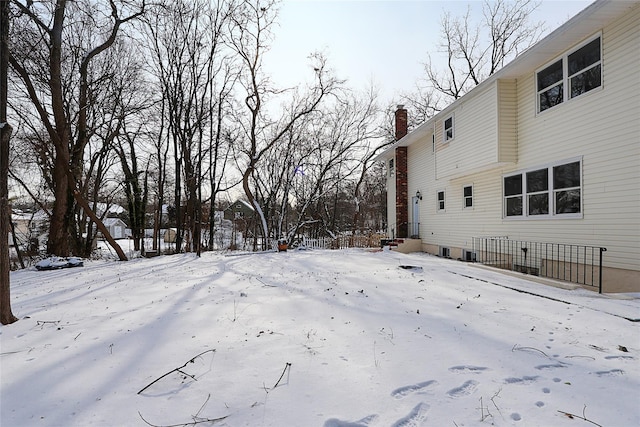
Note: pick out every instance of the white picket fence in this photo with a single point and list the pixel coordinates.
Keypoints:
(343, 242)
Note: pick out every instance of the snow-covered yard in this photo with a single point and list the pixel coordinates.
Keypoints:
(314, 338)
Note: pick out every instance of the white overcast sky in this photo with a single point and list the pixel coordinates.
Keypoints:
(383, 41)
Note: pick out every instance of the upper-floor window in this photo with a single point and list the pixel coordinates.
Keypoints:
(544, 192)
(441, 200)
(448, 129)
(575, 73)
(467, 192)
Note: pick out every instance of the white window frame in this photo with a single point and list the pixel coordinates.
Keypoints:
(465, 197)
(551, 191)
(391, 165)
(566, 78)
(441, 204)
(445, 136)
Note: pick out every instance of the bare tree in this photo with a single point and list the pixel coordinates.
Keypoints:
(6, 315)
(338, 141)
(474, 51)
(56, 78)
(249, 37)
(189, 63)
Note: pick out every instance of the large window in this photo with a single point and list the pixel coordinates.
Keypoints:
(572, 75)
(547, 192)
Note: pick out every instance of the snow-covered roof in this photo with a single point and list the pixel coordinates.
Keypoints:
(245, 203)
(19, 215)
(102, 208)
(108, 222)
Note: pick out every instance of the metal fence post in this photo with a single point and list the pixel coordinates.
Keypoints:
(600, 278)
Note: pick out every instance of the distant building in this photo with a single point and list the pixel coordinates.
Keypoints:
(239, 210)
(116, 227)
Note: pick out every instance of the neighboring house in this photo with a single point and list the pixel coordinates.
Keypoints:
(28, 226)
(239, 210)
(547, 149)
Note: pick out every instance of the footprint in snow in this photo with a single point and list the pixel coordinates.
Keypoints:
(620, 357)
(610, 373)
(366, 421)
(401, 392)
(551, 366)
(415, 418)
(468, 368)
(464, 390)
(522, 380)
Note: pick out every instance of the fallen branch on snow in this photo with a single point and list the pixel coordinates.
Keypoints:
(267, 390)
(179, 370)
(287, 366)
(196, 418)
(583, 417)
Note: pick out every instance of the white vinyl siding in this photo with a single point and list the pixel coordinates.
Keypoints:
(602, 126)
(507, 98)
(476, 144)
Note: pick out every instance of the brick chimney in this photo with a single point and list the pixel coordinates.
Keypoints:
(401, 122)
(402, 187)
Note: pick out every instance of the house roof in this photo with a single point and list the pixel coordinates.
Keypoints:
(245, 203)
(18, 215)
(112, 221)
(586, 23)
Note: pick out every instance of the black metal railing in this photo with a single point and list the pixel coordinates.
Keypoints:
(568, 262)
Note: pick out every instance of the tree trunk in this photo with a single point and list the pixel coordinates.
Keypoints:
(59, 237)
(6, 315)
(105, 232)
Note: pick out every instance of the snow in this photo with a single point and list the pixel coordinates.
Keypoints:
(314, 338)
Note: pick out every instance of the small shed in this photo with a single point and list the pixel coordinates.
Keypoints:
(170, 235)
(116, 227)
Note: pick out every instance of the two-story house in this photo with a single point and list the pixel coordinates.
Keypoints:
(536, 169)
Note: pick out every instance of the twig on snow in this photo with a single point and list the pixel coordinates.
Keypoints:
(190, 423)
(178, 369)
(497, 393)
(287, 366)
(583, 417)
(515, 347)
